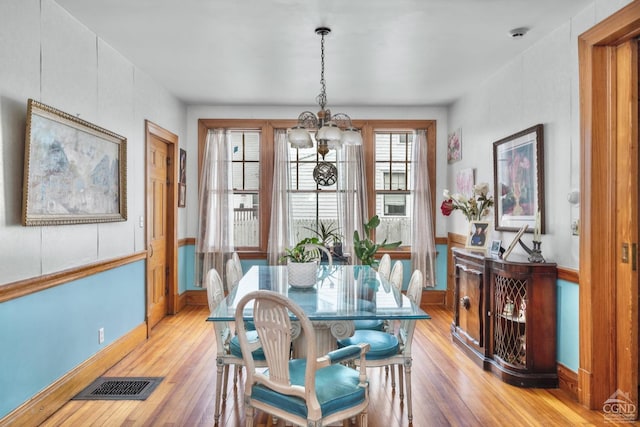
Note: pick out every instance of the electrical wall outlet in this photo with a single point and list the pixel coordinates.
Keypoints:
(100, 335)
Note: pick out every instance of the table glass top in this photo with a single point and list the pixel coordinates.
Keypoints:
(342, 292)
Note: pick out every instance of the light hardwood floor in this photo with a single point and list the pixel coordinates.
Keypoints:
(448, 389)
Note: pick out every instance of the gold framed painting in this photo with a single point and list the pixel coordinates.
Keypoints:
(74, 171)
(518, 172)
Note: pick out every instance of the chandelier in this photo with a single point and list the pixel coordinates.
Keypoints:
(331, 131)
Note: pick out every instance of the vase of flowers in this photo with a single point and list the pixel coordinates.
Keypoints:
(474, 208)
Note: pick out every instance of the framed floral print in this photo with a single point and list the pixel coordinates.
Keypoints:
(454, 146)
(518, 173)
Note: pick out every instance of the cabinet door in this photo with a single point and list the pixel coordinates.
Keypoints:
(470, 303)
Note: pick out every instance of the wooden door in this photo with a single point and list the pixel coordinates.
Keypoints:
(157, 269)
(609, 210)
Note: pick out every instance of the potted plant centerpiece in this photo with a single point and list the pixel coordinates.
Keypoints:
(302, 262)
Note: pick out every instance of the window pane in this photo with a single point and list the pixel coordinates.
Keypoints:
(246, 227)
(251, 176)
(383, 146)
(394, 227)
(236, 146)
(252, 146)
(237, 181)
(308, 208)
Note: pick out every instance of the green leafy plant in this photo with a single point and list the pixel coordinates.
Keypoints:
(301, 252)
(365, 248)
(327, 234)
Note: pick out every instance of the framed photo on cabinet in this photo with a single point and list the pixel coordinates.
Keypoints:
(478, 235)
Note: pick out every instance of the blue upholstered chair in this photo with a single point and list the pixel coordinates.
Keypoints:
(314, 391)
(392, 348)
(228, 347)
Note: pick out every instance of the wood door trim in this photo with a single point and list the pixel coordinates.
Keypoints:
(171, 139)
(598, 241)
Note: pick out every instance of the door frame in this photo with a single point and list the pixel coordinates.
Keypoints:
(171, 139)
(608, 133)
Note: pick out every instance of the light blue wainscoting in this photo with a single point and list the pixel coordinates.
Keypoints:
(186, 266)
(47, 334)
(568, 330)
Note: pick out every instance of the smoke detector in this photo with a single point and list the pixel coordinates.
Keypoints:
(518, 33)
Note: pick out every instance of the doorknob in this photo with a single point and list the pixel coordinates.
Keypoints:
(150, 250)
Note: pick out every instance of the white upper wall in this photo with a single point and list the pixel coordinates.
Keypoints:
(539, 86)
(47, 55)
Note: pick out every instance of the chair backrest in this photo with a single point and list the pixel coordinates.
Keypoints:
(215, 294)
(315, 252)
(215, 289)
(397, 275)
(271, 319)
(407, 326)
(233, 276)
(384, 267)
(236, 262)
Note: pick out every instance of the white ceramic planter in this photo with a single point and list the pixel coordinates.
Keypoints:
(302, 274)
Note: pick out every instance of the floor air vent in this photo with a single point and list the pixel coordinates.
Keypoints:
(119, 388)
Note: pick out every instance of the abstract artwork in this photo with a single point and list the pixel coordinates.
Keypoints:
(75, 172)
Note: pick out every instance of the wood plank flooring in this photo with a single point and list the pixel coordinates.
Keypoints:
(448, 388)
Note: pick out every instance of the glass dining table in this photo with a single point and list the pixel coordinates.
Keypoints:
(341, 295)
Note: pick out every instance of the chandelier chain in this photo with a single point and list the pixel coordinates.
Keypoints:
(322, 98)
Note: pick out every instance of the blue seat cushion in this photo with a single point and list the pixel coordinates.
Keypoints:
(372, 324)
(234, 346)
(382, 344)
(336, 387)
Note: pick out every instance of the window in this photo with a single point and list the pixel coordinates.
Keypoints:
(392, 185)
(245, 148)
(388, 149)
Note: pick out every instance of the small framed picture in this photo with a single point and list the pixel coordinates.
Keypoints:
(182, 195)
(494, 248)
(515, 240)
(478, 235)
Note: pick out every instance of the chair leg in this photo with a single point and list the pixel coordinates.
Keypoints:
(221, 365)
(401, 381)
(407, 369)
(363, 418)
(393, 377)
(248, 415)
(225, 381)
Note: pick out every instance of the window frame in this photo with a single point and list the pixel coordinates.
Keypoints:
(367, 128)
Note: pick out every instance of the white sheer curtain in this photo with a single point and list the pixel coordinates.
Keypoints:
(352, 195)
(279, 229)
(214, 240)
(423, 247)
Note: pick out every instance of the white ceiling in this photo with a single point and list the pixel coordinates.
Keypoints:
(266, 52)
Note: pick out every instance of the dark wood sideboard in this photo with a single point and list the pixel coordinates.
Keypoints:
(505, 317)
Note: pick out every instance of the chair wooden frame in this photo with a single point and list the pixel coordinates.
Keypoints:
(271, 316)
(224, 334)
(404, 334)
